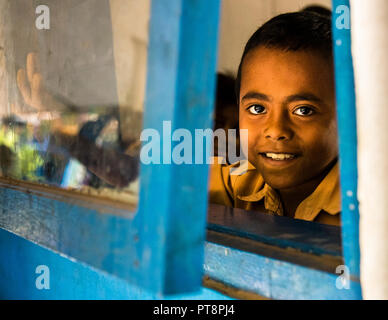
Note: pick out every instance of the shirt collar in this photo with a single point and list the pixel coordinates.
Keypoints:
(325, 197)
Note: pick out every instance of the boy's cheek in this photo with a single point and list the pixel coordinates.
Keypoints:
(322, 152)
(253, 155)
(327, 142)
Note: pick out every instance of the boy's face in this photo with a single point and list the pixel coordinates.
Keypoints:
(287, 103)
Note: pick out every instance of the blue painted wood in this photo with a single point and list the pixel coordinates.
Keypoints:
(101, 237)
(278, 231)
(151, 249)
(154, 250)
(180, 89)
(68, 279)
(273, 278)
(347, 131)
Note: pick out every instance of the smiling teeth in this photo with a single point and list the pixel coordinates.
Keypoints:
(279, 156)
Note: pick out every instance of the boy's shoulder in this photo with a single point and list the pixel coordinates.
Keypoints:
(248, 189)
(229, 181)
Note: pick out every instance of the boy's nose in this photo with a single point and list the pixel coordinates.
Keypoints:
(278, 129)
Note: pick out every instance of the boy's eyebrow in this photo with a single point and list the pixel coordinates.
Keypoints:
(303, 96)
(255, 95)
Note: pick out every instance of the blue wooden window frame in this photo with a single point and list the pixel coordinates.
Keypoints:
(347, 131)
(150, 248)
(150, 253)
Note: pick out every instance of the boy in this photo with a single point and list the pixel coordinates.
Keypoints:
(285, 90)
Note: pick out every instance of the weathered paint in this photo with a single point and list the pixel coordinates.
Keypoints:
(278, 231)
(71, 279)
(68, 279)
(347, 132)
(180, 89)
(273, 278)
(105, 242)
(152, 250)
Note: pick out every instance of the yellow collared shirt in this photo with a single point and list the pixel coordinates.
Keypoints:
(248, 191)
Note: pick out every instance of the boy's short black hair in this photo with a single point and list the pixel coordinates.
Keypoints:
(303, 30)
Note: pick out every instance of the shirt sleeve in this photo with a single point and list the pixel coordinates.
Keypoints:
(220, 186)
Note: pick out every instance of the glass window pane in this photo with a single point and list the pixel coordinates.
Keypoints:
(72, 87)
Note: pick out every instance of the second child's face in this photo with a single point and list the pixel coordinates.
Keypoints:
(287, 104)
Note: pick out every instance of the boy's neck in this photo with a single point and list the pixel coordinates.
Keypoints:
(292, 198)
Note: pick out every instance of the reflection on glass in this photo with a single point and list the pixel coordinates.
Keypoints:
(71, 95)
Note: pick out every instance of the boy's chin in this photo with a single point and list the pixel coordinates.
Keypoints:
(281, 182)
(280, 186)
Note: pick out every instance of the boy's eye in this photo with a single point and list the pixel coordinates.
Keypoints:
(256, 109)
(304, 111)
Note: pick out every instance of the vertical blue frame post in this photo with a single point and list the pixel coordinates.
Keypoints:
(180, 90)
(347, 131)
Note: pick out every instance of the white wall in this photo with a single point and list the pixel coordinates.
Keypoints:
(240, 18)
(370, 51)
(281, 6)
(130, 19)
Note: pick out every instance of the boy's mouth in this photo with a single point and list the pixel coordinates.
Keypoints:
(276, 156)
